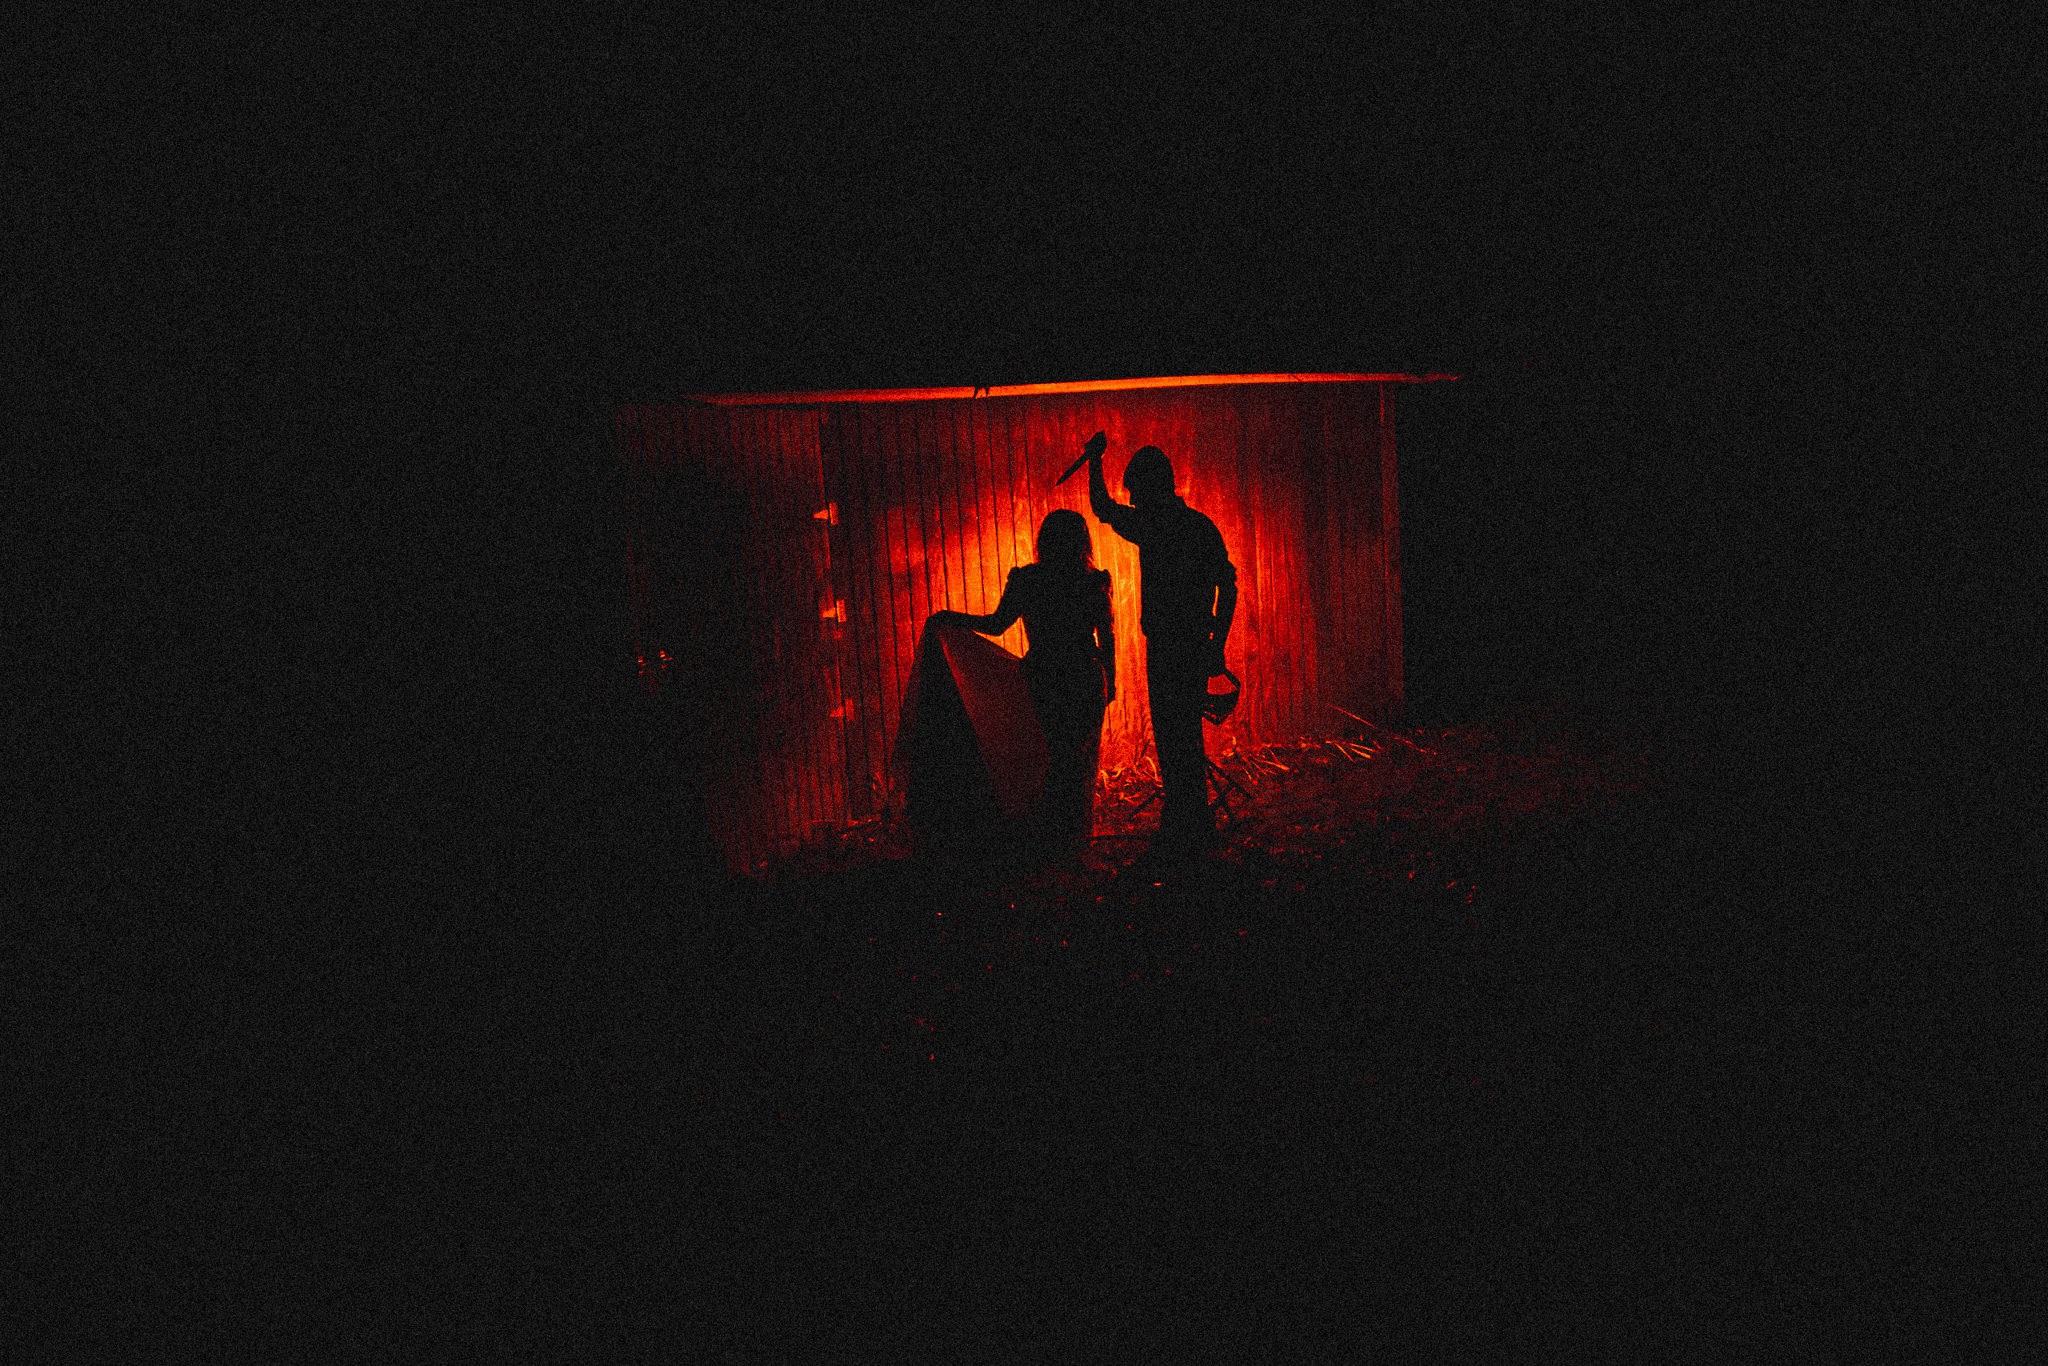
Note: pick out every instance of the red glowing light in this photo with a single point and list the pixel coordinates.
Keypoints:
(924, 498)
(1085, 386)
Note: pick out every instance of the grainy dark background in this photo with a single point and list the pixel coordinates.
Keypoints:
(321, 327)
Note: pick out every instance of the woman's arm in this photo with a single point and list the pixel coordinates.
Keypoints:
(1106, 633)
(1226, 612)
(991, 623)
(1105, 638)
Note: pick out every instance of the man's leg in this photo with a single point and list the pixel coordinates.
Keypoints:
(1176, 683)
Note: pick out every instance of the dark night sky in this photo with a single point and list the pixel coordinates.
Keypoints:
(359, 304)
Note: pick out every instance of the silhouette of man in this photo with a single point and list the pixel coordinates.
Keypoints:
(1187, 595)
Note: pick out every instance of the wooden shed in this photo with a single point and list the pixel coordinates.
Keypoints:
(785, 548)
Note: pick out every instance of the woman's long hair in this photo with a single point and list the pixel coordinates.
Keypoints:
(1064, 545)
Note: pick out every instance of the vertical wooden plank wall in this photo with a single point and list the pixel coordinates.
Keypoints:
(864, 518)
(757, 643)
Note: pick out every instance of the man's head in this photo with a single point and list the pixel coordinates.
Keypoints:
(1149, 476)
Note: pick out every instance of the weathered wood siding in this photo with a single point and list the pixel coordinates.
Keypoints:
(785, 557)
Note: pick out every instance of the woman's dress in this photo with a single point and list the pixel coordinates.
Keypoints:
(1064, 670)
(983, 755)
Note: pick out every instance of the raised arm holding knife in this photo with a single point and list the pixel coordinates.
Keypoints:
(1187, 598)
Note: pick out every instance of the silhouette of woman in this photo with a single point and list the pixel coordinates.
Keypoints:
(1069, 668)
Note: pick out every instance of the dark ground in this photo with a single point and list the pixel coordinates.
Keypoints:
(1546, 1043)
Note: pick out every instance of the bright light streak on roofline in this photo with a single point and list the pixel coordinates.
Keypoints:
(1085, 386)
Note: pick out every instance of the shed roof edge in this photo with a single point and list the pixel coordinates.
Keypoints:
(1086, 386)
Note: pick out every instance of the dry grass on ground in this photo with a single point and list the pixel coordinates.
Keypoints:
(1495, 782)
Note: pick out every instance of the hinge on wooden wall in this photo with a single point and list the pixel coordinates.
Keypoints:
(828, 514)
